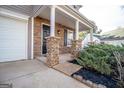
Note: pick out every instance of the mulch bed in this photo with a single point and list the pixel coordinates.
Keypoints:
(73, 61)
(95, 77)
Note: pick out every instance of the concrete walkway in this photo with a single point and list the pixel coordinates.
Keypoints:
(35, 74)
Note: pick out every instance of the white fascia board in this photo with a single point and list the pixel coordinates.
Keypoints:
(32, 41)
(12, 14)
(38, 10)
(61, 9)
(80, 14)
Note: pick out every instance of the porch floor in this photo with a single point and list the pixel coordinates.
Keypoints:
(64, 66)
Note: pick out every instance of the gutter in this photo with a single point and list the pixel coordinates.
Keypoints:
(81, 16)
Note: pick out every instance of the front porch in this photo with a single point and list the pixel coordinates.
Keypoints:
(62, 27)
(64, 65)
(50, 30)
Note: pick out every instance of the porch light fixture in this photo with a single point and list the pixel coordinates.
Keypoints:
(58, 32)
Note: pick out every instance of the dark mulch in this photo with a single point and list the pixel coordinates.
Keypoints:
(73, 61)
(95, 77)
(122, 63)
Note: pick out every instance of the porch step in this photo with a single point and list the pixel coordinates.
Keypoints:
(67, 68)
(62, 58)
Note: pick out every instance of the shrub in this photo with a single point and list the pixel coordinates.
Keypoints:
(120, 84)
(100, 58)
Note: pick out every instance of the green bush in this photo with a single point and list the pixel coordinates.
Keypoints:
(99, 57)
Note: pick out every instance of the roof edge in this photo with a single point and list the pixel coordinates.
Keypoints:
(81, 15)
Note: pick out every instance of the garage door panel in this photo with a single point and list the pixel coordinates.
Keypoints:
(13, 39)
(12, 52)
(12, 45)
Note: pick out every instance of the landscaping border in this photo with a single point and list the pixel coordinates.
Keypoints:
(88, 82)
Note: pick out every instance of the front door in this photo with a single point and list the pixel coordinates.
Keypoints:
(46, 33)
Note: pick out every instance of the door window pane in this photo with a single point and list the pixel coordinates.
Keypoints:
(70, 37)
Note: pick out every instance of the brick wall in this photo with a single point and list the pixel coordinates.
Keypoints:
(37, 37)
(38, 33)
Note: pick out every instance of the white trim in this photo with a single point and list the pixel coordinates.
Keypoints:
(52, 20)
(42, 37)
(32, 41)
(77, 30)
(12, 14)
(80, 14)
(72, 16)
(45, 24)
(26, 47)
(39, 10)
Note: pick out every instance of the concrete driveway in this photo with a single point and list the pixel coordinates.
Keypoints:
(35, 74)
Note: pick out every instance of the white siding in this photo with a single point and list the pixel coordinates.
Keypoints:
(114, 42)
(23, 9)
(28, 10)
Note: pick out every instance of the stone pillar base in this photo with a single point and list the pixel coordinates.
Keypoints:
(52, 51)
(75, 48)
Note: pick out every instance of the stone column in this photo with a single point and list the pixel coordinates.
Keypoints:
(52, 51)
(76, 47)
(52, 42)
(76, 44)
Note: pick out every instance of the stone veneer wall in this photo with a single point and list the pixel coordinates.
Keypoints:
(75, 48)
(38, 33)
(52, 51)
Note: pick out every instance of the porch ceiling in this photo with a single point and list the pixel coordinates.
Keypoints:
(62, 18)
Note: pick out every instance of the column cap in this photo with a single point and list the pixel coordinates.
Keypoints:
(52, 37)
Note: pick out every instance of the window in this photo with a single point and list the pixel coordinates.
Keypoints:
(68, 37)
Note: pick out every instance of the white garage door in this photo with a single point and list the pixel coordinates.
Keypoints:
(13, 39)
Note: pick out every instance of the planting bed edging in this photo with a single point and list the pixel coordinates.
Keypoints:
(88, 82)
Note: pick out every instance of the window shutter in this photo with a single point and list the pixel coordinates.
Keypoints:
(65, 37)
(74, 35)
